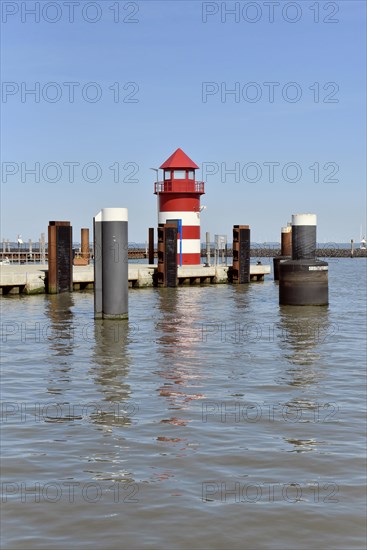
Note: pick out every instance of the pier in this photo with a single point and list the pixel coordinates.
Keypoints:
(31, 279)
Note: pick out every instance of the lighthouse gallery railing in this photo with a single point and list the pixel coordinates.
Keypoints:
(179, 187)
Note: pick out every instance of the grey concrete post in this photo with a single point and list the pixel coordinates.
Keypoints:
(111, 277)
(97, 252)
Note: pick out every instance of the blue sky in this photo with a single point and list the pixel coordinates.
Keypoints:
(168, 53)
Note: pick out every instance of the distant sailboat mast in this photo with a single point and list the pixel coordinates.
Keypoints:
(362, 240)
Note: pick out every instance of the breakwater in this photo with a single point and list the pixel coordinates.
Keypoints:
(258, 251)
(269, 252)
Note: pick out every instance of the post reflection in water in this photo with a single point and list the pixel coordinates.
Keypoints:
(114, 412)
(243, 334)
(304, 445)
(111, 360)
(60, 330)
(241, 297)
(59, 334)
(178, 339)
(302, 329)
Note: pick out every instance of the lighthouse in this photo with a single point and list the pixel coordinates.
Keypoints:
(179, 200)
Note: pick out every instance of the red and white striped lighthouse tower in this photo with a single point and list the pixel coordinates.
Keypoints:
(179, 199)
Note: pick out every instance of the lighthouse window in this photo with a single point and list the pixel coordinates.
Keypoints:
(167, 174)
(191, 175)
(179, 174)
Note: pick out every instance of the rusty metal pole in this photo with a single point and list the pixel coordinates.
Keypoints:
(60, 271)
(286, 241)
(52, 264)
(167, 255)
(285, 250)
(85, 243)
(170, 254)
(241, 254)
(151, 246)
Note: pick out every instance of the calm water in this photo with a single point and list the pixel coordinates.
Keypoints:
(213, 419)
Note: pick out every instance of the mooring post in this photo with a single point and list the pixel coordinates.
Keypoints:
(97, 254)
(241, 254)
(351, 248)
(286, 241)
(167, 255)
(111, 275)
(303, 280)
(285, 250)
(60, 262)
(151, 246)
(85, 243)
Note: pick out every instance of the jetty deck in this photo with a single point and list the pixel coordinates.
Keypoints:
(31, 279)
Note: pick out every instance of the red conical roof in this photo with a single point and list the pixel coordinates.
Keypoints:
(179, 159)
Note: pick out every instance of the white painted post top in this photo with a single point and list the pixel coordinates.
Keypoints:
(304, 219)
(112, 215)
(287, 229)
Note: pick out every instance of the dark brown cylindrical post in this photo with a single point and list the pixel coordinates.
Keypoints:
(52, 269)
(85, 243)
(151, 246)
(286, 241)
(60, 271)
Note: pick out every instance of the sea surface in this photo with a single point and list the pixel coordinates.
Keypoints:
(212, 419)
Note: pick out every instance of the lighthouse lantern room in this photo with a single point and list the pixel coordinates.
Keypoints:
(179, 199)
